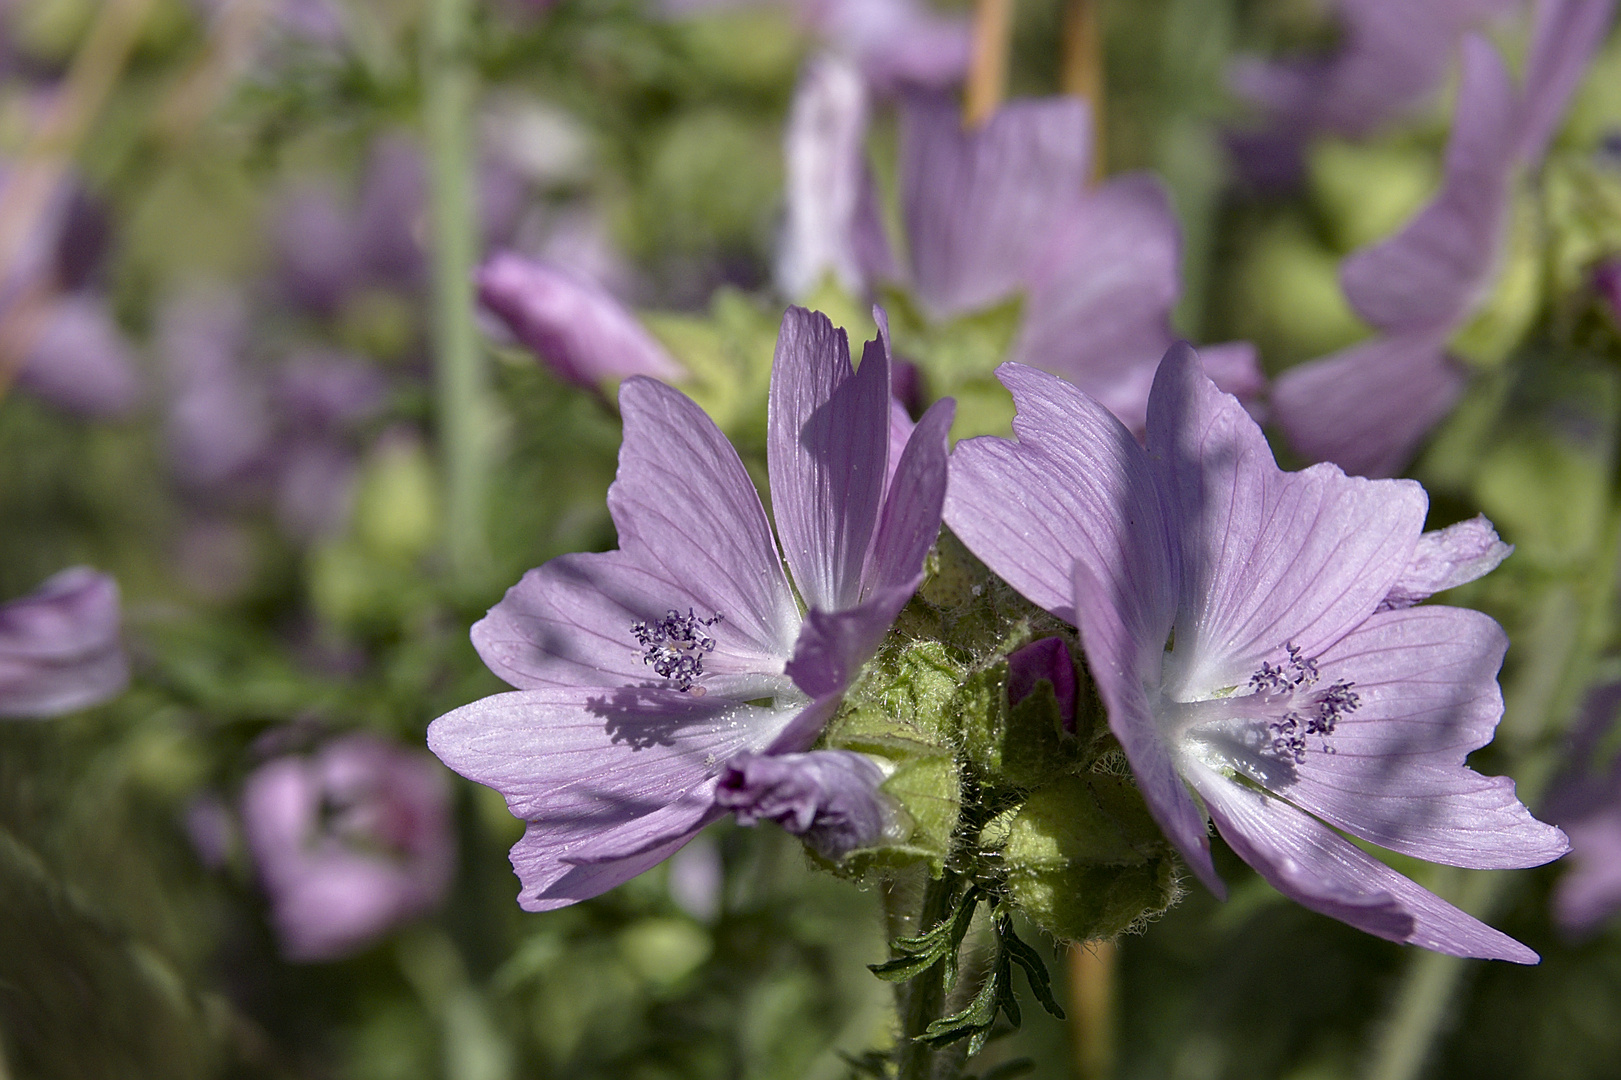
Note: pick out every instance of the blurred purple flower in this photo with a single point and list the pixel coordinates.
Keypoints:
(59, 646)
(639, 671)
(1368, 407)
(349, 842)
(237, 435)
(1231, 618)
(829, 798)
(1392, 56)
(571, 322)
(1607, 283)
(1589, 893)
(1006, 210)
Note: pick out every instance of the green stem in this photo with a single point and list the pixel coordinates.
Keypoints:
(448, 89)
(921, 1000)
(1547, 690)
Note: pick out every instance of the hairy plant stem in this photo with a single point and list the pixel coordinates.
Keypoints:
(1569, 630)
(448, 85)
(921, 1000)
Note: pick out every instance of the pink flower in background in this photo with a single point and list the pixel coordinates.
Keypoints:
(349, 842)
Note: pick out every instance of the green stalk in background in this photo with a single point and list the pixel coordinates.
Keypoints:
(448, 89)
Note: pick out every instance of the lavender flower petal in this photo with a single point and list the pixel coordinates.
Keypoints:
(1439, 265)
(826, 178)
(1566, 34)
(833, 645)
(1030, 509)
(979, 204)
(1312, 865)
(910, 522)
(828, 797)
(571, 322)
(1446, 558)
(1368, 408)
(1047, 658)
(1347, 539)
(693, 539)
(580, 763)
(59, 646)
(827, 455)
(1426, 680)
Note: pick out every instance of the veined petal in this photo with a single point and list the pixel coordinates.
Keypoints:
(1268, 558)
(1433, 272)
(581, 764)
(1311, 864)
(1446, 558)
(1101, 295)
(1125, 659)
(827, 453)
(1368, 407)
(979, 205)
(1567, 34)
(1074, 486)
(829, 797)
(910, 522)
(1426, 680)
(834, 644)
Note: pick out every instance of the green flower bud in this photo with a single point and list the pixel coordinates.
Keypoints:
(396, 512)
(1084, 859)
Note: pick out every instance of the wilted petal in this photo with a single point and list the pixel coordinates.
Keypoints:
(833, 645)
(571, 322)
(1074, 486)
(60, 648)
(827, 454)
(1566, 35)
(826, 172)
(1426, 680)
(579, 763)
(828, 797)
(1313, 865)
(1368, 408)
(692, 535)
(1433, 272)
(1446, 558)
(979, 205)
(1268, 557)
(80, 361)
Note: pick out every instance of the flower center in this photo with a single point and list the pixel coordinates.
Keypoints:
(1283, 710)
(675, 645)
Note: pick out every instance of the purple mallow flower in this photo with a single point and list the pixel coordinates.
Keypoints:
(1392, 56)
(571, 322)
(1368, 407)
(60, 649)
(1232, 618)
(349, 842)
(1007, 210)
(830, 798)
(642, 672)
(1589, 893)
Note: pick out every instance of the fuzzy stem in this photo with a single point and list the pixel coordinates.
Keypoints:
(987, 70)
(448, 93)
(921, 1000)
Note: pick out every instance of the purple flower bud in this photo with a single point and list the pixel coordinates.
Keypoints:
(571, 322)
(1045, 659)
(349, 842)
(828, 797)
(60, 648)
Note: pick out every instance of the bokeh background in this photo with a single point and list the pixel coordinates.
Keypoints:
(218, 347)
